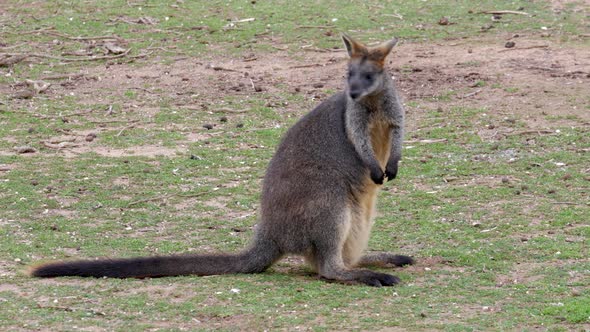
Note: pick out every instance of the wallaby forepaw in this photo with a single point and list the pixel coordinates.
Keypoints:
(390, 174)
(378, 176)
(391, 171)
(379, 279)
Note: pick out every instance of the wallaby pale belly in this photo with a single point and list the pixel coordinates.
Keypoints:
(364, 213)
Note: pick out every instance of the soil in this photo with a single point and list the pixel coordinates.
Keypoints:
(540, 82)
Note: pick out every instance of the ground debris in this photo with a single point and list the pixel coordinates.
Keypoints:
(25, 149)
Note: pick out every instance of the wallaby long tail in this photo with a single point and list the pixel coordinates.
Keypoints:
(253, 260)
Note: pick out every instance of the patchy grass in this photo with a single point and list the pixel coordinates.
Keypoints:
(492, 196)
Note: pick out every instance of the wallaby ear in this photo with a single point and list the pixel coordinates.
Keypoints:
(354, 48)
(380, 52)
(386, 47)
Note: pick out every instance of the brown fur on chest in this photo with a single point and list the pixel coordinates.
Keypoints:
(380, 132)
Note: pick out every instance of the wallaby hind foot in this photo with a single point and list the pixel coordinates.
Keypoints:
(385, 259)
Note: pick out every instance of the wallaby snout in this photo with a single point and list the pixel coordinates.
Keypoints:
(355, 91)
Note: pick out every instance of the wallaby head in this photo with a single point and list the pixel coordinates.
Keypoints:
(366, 74)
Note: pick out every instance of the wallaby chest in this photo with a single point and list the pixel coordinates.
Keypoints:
(380, 134)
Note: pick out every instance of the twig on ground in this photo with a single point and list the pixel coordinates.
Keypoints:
(229, 110)
(113, 121)
(219, 68)
(142, 89)
(306, 66)
(8, 59)
(125, 128)
(35, 31)
(524, 48)
(90, 38)
(427, 141)
(60, 145)
(314, 27)
(323, 50)
(55, 308)
(62, 77)
(527, 132)
(571, 203)
(91, 58)
(396, 15)
(77, 113)
(500, 12)
(13, 46)
(470, 94)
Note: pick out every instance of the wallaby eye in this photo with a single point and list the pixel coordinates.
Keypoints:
(369, 77)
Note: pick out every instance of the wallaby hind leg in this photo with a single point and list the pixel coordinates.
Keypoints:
(332, 267)
(385, 259)
(327, 255)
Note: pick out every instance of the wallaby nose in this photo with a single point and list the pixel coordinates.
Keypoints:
(354, 94)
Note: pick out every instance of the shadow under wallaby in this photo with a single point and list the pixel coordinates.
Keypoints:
(319, 192)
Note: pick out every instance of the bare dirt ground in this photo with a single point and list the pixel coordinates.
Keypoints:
(538, 81)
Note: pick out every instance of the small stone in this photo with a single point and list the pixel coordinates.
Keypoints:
(444, 21)
(240, 125)
(510, 44)
(90, 137)
(505, 180)
(208, 126)
(223, 119)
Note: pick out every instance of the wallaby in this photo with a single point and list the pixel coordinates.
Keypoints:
(318, 195)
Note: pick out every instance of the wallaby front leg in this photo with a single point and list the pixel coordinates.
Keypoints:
(357, 129)
(396, 152)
